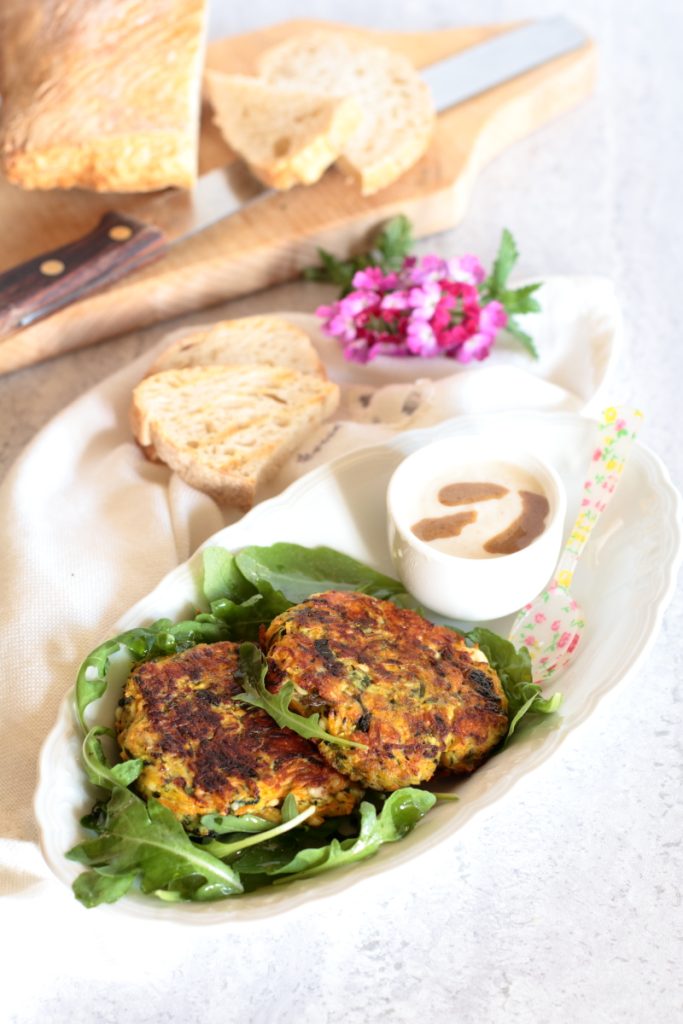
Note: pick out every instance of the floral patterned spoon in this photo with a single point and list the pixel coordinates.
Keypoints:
(551, 626)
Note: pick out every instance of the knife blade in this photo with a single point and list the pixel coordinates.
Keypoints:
(121, 243)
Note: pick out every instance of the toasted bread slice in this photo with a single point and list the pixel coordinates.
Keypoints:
(227, 429)
(262, 340)
(287, 136)
(398, 113)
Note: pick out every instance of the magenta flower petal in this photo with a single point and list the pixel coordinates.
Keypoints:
(420, 338)
(371, 278)
(492, 317)
(477, 346)
(467, 269)
(398, 299)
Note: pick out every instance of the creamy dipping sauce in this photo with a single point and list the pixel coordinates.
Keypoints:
(502, 508)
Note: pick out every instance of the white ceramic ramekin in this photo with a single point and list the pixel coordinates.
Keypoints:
(470, 589)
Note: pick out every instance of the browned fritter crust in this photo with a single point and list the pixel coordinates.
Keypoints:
(206, 753)
(384, 676)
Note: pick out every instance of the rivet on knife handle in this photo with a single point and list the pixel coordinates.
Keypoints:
(54, 279)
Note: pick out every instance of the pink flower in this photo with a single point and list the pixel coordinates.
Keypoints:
(429, 307)
(556, 625)
(539, 617)
(564, 640)
(530, 641)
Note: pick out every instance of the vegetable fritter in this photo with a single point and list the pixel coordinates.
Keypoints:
(206, 753)
(384, 676)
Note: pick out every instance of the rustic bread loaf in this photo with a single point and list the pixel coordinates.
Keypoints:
(227, 429)
(288, 137)
(103, 95)
(398, 113)
(262, 340)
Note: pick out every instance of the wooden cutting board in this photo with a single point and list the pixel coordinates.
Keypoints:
(272, 241)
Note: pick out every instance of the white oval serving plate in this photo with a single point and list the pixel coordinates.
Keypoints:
(623, 583)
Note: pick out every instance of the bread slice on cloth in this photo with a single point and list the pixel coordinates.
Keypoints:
(227, 429)
(398, 113)
(287, 136)
(265, 340)
(102, 95)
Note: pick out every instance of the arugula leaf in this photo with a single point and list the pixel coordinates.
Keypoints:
(96, 766)
(389, 249)
(243, 620)
(161, 638)
(297, 572)
(220, 824)
(146, 842)
(270, 855)
(92, 889)
(225, 849)
(252, 673)
(400, 813)
(514, 670)
(222, 578)
(289, 808)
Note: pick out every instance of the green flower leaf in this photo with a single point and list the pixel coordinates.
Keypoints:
(525, 340)
(515, 301)
(508, 254)
(389, 249)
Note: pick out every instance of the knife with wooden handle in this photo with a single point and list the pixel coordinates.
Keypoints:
(120, 243)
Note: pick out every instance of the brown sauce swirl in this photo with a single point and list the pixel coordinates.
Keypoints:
(443, 526)
(529, 525)
(469, 493)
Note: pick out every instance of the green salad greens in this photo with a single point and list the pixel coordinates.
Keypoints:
(139, 843)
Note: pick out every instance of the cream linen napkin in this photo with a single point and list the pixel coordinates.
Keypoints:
(89, 526)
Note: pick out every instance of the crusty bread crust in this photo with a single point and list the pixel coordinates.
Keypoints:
(287, 136)
(263, 340)
(398, 112)
(226, 430)
(103, 95)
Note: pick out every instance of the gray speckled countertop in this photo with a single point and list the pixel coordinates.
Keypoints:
(563, 904)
